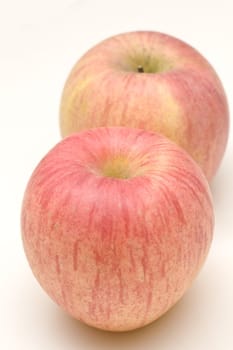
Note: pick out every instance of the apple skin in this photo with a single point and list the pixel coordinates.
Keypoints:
(116, 224)
(179, 94)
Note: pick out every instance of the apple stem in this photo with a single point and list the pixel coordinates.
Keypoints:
(140, 69)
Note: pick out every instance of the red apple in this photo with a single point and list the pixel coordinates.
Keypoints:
(116, 224)
(152, 81)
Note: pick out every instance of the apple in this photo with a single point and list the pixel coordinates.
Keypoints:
(152, 81)
(116, 224)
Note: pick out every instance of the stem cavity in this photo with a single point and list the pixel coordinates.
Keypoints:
(140, 69)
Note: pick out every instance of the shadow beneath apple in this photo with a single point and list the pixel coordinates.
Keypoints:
(185, 326)
(159, 333)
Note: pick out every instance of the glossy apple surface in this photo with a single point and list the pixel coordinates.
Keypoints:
(152, 81)
(116, 224)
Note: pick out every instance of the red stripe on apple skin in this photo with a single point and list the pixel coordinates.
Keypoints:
(75, 255)
(58, 269)
(116, 253)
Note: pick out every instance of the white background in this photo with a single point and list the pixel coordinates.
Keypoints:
(39, 43)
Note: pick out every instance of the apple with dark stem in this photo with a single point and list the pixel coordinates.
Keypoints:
(152, 81)
(116, 224)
